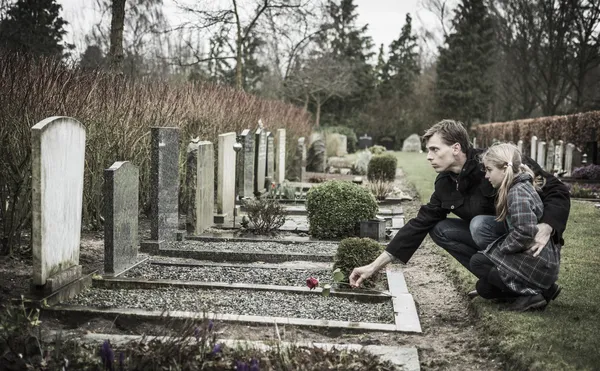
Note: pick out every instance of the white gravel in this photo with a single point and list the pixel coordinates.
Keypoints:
(295, 248)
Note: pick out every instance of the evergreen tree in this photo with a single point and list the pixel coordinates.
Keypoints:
(34, 27)
(463, 86)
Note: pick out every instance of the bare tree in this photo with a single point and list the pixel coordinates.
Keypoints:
(115, 54)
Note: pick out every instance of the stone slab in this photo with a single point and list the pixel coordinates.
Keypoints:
(405, 310)
(229, 256)
(62, 278)
(285, 265)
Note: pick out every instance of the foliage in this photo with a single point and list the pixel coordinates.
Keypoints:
(463, 86)
(336, 277)
(351, 139)
(382, 167)
(584, 190)
(317, 179)
(380, 188)
(117, 113)
(587, 172)
(335, 207)
(357, 252)
(361, 165)
(35, 28)
(377, 149)
(266, 214)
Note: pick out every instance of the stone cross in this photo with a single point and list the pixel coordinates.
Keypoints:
(200, 185)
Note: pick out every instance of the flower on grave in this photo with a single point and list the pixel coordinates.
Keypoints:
(312, 282)
(243, 366)
(107, 355)
(197, 333)
(216, 349)
(210, 325)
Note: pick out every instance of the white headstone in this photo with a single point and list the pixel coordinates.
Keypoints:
(559, 154)
(226, 174)
(201, 186)
(550, 156)
(541, 154)
(280, 156)
(520, 145)
(58, 156)
(534, 146)
(412, 143)
(569, 159)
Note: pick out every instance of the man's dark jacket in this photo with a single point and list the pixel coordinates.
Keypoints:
(469, 194)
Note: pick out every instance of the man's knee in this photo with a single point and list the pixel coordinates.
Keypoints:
(484, 230)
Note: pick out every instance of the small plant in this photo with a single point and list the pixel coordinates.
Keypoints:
(361, 164)
(380, 188)
(335, 207)
(382, 167)
(265, 214)
(587, 172)
(584, 190)
(336, 276)
(377, 149)
(357, 252)
(317, 179)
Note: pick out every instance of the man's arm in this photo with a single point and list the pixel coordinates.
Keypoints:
(360, 274)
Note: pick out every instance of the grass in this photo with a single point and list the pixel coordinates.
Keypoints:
(566, 336)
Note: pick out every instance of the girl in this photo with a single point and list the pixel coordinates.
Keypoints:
(503, 268)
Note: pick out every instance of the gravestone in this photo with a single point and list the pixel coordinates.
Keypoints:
(316, 159)
(533, 149)
(559, 156)
(336, 145)
(412, 144)
(299, 166)
(270, 172)
(57, 165)
(200, 184)
(226, 175)
(569, 159)
(520, 145)
(365, 142)
(245, 165)
(474, 142)
(541, 154)
(121, 192)
(342, 149)
(260, 160)
(280, 156)
(550, 156)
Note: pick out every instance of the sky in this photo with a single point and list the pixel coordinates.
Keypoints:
(384, 17)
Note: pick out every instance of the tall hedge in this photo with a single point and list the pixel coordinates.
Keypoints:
(117, 112)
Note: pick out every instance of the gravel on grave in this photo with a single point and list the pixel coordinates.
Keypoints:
(246, 302)
(251, 275)
(329, 248)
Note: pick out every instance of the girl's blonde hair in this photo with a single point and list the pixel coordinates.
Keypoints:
(505, 156)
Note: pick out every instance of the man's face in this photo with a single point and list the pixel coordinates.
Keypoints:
(440, 155)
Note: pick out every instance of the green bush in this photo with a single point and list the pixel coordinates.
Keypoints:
(356, 252)
(352, 139)
(335, 207)
(377, 149)
(266, 214)
(382, 167)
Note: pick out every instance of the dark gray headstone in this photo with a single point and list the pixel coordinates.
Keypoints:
(260, 163)
(200, 185)
(245, 165)
(316, 159)
(164, 184)
(365, 142)
(121, 190)
(270, 171)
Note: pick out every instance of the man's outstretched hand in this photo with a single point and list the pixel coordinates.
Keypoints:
(541, 239)
(360, 274)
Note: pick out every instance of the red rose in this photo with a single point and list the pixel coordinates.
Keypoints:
(312, 283)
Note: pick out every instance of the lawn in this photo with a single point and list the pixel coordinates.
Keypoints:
(566, 336)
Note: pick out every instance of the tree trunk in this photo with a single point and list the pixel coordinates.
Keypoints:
(238, 50)
(318, 115)
(115, 54)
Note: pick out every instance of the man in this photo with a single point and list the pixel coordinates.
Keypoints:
(461, 189)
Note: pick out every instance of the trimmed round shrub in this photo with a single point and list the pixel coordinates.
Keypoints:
(335, 207)
(356, 252)
(377, 149)
(382, 167)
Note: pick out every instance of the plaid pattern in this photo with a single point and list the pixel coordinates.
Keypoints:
(523, 273)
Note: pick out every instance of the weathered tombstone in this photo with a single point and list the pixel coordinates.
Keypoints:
(299, 167)
(200, 184)
(559, 156)
(534, 146)
(270, 170)
(57, 163)
(316, 159)
(550, 156)
(342, 149)
(280, 156)
(121, 192)
(569, 159)
(164, 184)
(520, 145)
(412, 144)
(226, 175)
(260, 160)
(245, 165)
(332, 144)
(365, 142)
(541, 154)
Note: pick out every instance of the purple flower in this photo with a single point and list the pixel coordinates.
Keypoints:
(254, 365)
(210, 325)
(197, 333)
(216, 349)
(107, 355)
(241, 366)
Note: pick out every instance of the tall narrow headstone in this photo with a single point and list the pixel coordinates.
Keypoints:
(164, 184)
(559, 154)
(541, 154)
(200, 184)
(474, 142)
(534, 146)
(57, 163)
(550, 156)
(226, 174)
(569, 159)
(260, 163)
(520, 145)
(121, 192)
(280, 156)
(300, 160)
(245, 165)
(270, 171)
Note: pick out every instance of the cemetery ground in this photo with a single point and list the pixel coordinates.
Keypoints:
(457, 334)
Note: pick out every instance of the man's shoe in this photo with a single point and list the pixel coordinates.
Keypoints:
(525, 303)
(552, 292)
(472, 294)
